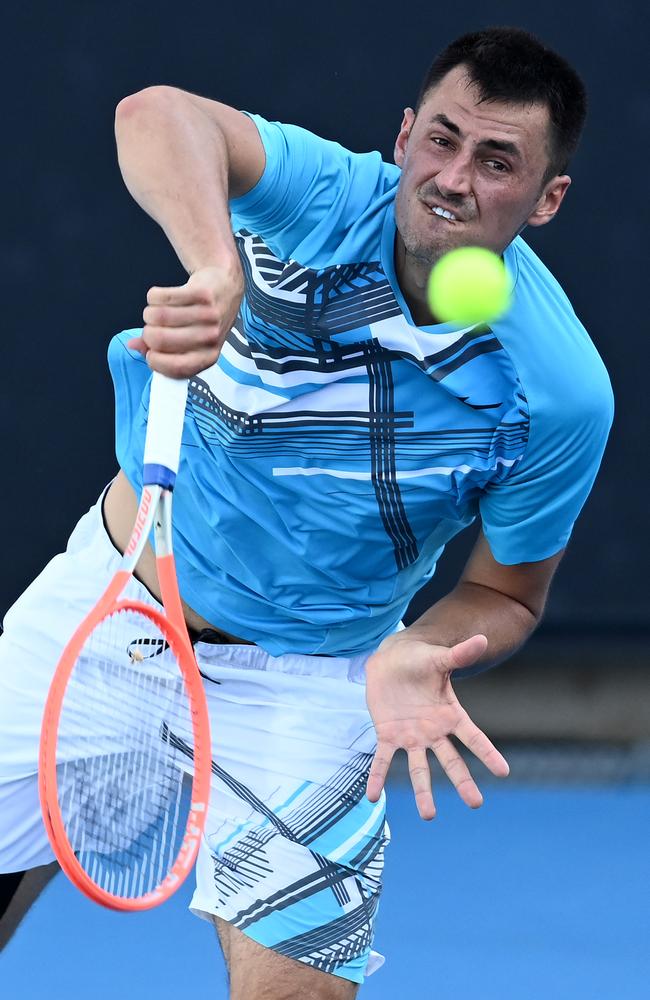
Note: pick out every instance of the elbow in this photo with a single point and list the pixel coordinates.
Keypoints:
(534, 611)
(143, 101)
(526, 618)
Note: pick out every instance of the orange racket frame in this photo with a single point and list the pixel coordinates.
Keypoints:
(162, 451)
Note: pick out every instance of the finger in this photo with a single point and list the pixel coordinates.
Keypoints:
(458, 773)
(378, 771)
(180, 365)
(179, 295)
(421, 783)
(482, 747)
(137, 344)
(177, 340)
(197, 314)
(467, 652)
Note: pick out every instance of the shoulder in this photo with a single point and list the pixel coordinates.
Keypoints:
(561, 372)
(316, 201)
(568, 403)
(309, 150)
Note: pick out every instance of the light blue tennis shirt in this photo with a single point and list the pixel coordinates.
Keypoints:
(335, 447)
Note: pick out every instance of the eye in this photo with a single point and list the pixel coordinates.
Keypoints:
(498, 166)
(441, 141)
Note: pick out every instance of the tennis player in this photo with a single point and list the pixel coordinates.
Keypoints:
(337, 437)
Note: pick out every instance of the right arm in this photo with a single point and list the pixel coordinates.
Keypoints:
(182, 157)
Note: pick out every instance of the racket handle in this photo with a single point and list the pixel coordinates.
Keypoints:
(162, 445)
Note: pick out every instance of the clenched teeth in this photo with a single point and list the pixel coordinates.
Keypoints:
(444, 213)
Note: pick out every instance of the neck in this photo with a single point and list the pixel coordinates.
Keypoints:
(412, 276)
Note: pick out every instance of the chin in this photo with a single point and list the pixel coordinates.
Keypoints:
(429, 253)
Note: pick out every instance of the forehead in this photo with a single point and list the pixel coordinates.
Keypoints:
(459, 100)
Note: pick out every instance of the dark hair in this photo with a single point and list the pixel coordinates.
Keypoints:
(509, 64)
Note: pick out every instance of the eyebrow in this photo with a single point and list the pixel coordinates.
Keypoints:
(500, 145)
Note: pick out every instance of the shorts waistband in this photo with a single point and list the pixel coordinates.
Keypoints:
(212, 656)
(214, 636)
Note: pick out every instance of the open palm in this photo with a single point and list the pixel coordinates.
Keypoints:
(414, 707)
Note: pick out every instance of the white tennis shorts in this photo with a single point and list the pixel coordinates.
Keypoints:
(293, 851)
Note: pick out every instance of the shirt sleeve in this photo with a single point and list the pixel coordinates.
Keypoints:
(310, 187)
(530, 514)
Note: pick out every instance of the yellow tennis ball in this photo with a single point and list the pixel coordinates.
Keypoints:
(467, 286)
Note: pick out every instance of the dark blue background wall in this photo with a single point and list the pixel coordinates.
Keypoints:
(78, 254)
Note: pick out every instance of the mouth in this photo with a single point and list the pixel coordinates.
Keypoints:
(443, 213)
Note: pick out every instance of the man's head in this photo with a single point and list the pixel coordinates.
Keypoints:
(498, 117)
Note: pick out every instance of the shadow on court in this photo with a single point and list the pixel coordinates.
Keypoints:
(540, 895)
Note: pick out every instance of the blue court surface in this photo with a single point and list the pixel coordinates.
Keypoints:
(541, 895)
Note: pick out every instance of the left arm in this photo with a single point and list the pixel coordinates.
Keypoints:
(489, 614)
(504, 603)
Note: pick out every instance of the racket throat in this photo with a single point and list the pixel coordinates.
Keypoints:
(163, 525)
(148, 510)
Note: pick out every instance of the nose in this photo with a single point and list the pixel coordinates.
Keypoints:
(454, 179)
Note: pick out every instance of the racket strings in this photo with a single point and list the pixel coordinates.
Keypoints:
(124, 735)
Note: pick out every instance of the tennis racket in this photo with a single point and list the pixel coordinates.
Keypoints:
(125, 753)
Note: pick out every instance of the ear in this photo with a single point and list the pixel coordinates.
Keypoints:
(399, 153)
(549, 201)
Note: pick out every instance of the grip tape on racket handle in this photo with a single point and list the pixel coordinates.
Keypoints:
(162, 445)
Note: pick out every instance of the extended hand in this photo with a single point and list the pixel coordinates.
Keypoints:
(413, 706)
(185, 327)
